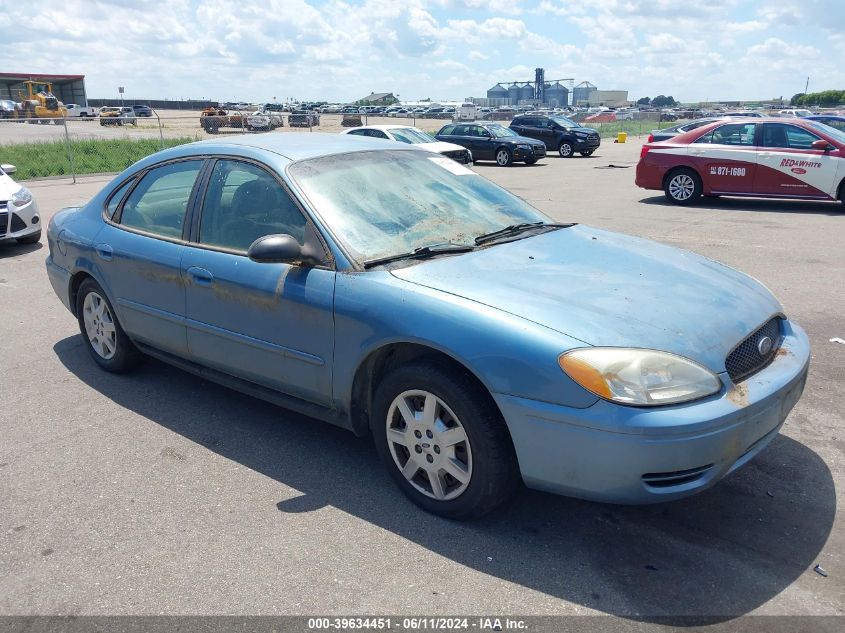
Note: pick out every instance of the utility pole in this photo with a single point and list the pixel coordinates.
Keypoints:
(806, 85)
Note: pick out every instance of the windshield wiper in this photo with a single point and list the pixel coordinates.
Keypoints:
(423, 252)
(516, 229)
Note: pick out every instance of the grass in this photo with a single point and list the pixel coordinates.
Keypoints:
(94, 156)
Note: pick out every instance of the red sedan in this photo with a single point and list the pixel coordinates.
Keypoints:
(771, 158)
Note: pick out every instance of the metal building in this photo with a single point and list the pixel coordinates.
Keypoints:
(67, 88)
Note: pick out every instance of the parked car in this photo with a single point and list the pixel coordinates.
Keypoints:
(407, 298)
(561, 135)
(8, 109)
(117, 116)
(414, 136)
(263, 120)
(273, 107)
(75, 110)
(493, 141)
(303, 118)
(142, 110)
(19, 216)
(834, 121)
(795, 113)
(770, 157)
(670, 132)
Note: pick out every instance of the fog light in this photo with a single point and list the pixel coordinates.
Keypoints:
(35, 219)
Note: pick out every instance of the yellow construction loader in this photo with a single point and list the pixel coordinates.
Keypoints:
(39, 102)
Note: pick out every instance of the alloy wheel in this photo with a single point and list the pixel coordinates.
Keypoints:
(99, 325)
(681, 187)
(429, 445)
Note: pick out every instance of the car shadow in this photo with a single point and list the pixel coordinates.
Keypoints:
(758, 204)
(717, 555)
(10, 248)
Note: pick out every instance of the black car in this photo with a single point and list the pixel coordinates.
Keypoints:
(558, 133)
(142, 110)
(493, 141)
(832, 120)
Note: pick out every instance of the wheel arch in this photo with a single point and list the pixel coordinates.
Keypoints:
(380, 361)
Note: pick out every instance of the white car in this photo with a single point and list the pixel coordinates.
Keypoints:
(263, 120)
(414, 136)
(795, 114)
(19, 216)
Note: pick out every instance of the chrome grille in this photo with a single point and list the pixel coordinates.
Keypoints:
(746, 358)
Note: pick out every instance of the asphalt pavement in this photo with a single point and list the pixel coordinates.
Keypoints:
(159, 493)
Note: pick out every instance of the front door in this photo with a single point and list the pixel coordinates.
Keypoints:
(140, 255)
(788, 165)
(272, 324)
(726, 158)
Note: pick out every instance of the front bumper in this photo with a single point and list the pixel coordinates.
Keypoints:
(586, 143)
(535, 153)
(16, 222)
(620, 454)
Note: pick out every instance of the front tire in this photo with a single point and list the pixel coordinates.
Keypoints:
(683, 186)
(531, 161)
(565, 149)
(105, 339)
(504, 157)
(586, 154)
(443, 440)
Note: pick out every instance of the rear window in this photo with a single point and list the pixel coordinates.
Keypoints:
(447, 130)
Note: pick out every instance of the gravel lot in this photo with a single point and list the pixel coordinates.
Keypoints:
(158, 492)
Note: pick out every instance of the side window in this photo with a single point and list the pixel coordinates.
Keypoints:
(477, 131)
(243, 203)
(158, 204)
(377, 134)
(733, 134)
(359, 132)
(116, 197)
(799, 138)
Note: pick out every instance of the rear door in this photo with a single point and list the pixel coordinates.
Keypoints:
(790, 167)
(726, 158)
(139, 254)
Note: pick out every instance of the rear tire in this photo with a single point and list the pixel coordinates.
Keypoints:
(464, 434)
(682, 186)
(104, 337)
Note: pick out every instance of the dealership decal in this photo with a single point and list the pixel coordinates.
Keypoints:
(727, 171)
(791, 162)
(798, 170)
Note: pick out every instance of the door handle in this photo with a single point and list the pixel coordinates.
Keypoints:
(200, 276)
(697, 152)
(104, 251)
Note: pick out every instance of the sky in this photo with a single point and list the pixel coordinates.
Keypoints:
(342, 50)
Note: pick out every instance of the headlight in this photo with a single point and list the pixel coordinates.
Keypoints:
(22, 196)
(638, 377)
(582, 134)
(524, 146)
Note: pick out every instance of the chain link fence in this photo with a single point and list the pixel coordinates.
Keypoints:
(113, 141)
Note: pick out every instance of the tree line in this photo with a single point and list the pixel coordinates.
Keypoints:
(824, 98)
(660, 101)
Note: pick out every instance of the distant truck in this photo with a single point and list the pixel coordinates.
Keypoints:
(467, 112)
(81, 111)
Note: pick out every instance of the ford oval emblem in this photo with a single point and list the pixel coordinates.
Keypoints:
(798, 170)
(764, 345)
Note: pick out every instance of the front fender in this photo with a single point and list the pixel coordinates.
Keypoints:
(508, 354)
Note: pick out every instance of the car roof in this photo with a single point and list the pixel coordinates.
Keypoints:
(301, 145)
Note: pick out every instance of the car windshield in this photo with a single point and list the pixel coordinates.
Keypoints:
(500, 131)
(839, 135)
(411, 136)
(563, 121)
(381, 203)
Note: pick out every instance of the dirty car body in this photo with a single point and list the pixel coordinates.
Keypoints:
(603, 366)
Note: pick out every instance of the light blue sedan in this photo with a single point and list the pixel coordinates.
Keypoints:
(399, 294)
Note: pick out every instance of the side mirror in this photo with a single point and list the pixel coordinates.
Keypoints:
(822, 145)
(281, 249)
(9, 169)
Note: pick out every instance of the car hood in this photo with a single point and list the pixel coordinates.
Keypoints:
(441, 146)
(608, 289)
(521, 139)
(7, 187)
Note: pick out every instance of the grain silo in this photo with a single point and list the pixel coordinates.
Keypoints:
(557, 95)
